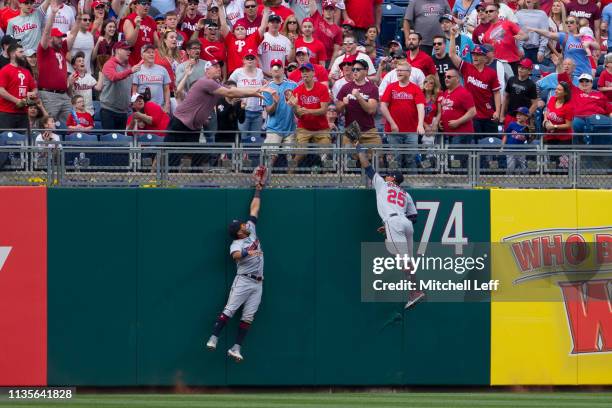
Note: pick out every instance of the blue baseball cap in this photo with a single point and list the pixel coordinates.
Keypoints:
(523, 110)
(478, 49)
(307, 66)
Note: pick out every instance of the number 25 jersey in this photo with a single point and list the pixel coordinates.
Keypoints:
(391, 199)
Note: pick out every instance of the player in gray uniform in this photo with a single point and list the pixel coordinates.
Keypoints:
(397, 211)
(248, 284)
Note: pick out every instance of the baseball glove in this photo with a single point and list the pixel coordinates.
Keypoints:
(353, 132)
(260, 175)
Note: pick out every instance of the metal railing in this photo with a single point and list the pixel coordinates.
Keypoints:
(134, 163)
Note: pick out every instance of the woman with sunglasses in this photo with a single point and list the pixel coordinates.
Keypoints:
(291, 29)
(571, 45)
(99, 16)
(81, 40)
(139, 29)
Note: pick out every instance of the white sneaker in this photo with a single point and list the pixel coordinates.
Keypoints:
(211, 344)
(234, 353)
(413, 298)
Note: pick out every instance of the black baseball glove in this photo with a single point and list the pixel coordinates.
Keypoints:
(353, 132)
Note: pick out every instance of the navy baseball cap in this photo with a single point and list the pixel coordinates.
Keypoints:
(307, 66)
(448, 17)
(398, 176)
(478, 49)
(233, 228)
(523, 110)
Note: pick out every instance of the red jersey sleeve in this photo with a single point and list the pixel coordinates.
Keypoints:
(419, 96)
(467, 100)
(4, 76)
(387, 95)
(70, 121)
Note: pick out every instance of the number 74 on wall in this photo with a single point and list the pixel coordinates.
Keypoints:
(453, 223)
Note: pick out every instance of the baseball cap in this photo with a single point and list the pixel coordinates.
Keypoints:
(448, 17)
(305, 50)
(308, 20)
(250, 52)
(239, 24)
(307, 66)
(135, 97)
(523, 110)
(211, 63)
(347, 23)
(487, 47)
(55, 32)
(233, 228)
(276, 63)
(344, 63)
(122, 45)
(478, 49)
(526, 63)
(29, 52)
(213, 6)
(394, 42)
(147, 47)
(7, 39)
(328, 4)
(160, 17)
(275, 17)
(585, 76)
(398, 176)
(211, 23)
(97, 3)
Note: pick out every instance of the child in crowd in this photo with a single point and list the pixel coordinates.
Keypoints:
(517, 133)
(79, 119)
(48, 135)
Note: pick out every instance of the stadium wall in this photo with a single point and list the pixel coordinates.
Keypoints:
(135, 278)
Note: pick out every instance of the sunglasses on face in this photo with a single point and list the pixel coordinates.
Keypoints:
(438, 43)
(249, 58)
(571, 21)
(348, 43)
(449, 76)
(490, 11)
(250, 6)
(144, 3)
(357, 69)
(101, 6)
(291, 22)
(585, 80)
(85, 20)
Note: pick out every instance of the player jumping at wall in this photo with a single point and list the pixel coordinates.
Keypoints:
(398, 213)
(247, 287)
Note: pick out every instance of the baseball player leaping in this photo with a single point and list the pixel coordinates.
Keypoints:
(247, 287)
(398, 213)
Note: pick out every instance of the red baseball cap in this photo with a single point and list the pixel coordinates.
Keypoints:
(55, 32)
(239, 24)
(526, 63)
(97, 3)
(308, 20)
(347, 23)
(122, 45)
(250, 52)
(276, 63)
(328, 4)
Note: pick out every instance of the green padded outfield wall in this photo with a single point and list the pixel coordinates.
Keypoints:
(136, 278)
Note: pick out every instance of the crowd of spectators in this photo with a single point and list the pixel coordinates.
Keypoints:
(299, 71)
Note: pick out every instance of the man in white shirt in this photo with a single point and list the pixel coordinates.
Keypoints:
(274, 46)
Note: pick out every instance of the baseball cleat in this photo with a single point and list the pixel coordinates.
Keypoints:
(413, 298)
(211, 344)
(234, 353)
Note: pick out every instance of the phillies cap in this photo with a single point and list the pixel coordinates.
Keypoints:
(239, 24)
(478, 49)
(122, 45)
(97, 4)
(304, 50)
(585, 76)
(526, 63)
(55, 32)
(212, 63)
(448, 17)
(307, 66)
(135, 97)
(487, 47)
(275, 17)
(276, 63)
(328, 4)
(523, 110)
(308, 20)
(347, 23)
(250, 52)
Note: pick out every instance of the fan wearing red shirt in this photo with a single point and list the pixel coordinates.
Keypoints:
(316, 47)
(53, 75)
(237, 43)
(147, 116)
(10, 11)
(17, 89)
(79, 119)
(418, 58)
(480, 81)
(325, 28)
(309, 103)
(302, 57)
(140, 29)
(403, 106)
(502, 35)
(605, 78)
(558, 116)
(212, 48)
(362, 14)
(589, 105)
(190, 20)
(251, 19)
(456, 110)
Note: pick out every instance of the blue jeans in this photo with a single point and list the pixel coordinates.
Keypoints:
(112, 120)
(482, 127)
(410, 139)
(251, 127)
(463, 140)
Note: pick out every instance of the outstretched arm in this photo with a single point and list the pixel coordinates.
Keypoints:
(256, 202)
(363, 160)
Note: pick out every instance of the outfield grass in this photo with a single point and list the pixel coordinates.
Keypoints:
(338, 400)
